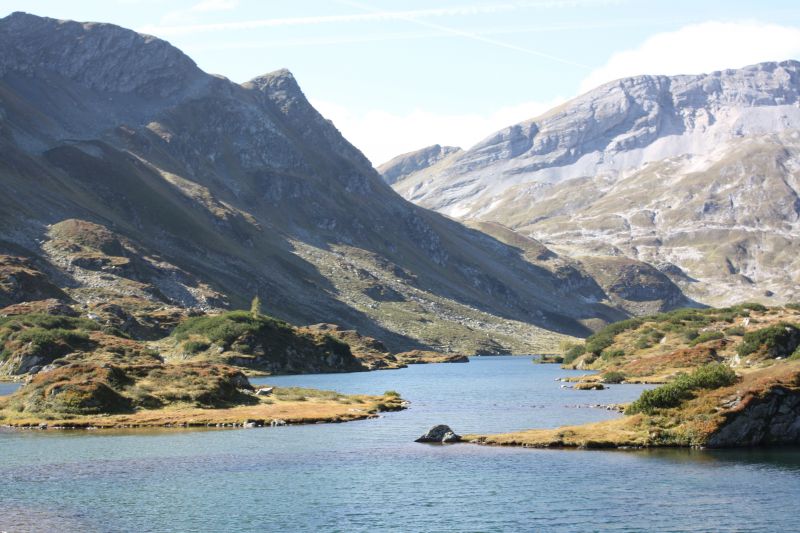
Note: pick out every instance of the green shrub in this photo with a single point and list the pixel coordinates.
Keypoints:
(599, 342)
(193, 347)
(41, 320)
(613, 377)
(642, 343)
(392, 393)
(52, 342)
(679, 316)
(605, 337)
(780, 340)
(753, 306)
(691, 335)
(573, 353)
(647, 337)
(672, 328)
(707, 336)
(736, 331)
(227, 327)
(794, 306)
(710, 376)
(611, 354)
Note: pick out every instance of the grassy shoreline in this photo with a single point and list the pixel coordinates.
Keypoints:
(729, 378)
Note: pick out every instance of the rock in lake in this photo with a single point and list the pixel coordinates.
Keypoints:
(441, 434)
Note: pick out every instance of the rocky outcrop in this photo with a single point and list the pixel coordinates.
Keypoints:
(371, 353)
(94, 256)
(637, 287)
(259, 343)
(771, 418)
(441, 434)
(22, 281)
(404, 165)
(416, 357)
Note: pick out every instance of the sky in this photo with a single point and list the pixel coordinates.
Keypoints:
(395, 76)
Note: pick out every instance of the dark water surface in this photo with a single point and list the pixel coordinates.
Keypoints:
(369, 475)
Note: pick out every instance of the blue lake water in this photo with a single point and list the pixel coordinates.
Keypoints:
(8, 388)
(370, 475)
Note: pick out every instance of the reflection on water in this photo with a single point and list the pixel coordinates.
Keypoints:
(783, 458)
(370, 476)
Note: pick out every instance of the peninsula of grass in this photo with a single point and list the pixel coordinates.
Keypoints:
(730, 377)
(87, 395)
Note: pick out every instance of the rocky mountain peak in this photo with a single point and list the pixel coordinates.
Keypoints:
(103, 57)
(281, 87)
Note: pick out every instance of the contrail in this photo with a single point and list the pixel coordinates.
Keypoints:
(470, 35)
(409, 35)
(374, 15)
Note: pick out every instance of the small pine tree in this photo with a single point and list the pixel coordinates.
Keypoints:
(255, 307)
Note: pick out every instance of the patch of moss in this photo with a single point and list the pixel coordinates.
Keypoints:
(45, 336)
(735, 331)
(613, 377)
(706, 336)
(194, 347)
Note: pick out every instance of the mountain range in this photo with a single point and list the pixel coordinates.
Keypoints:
(696, 175)
(129, 173)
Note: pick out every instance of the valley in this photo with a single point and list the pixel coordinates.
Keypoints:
(219, 312)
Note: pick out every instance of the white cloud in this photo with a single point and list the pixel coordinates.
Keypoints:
(382, 135)
(700, 48)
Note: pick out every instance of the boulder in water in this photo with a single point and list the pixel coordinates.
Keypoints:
(441, 434)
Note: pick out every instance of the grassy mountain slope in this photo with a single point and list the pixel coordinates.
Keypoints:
(217, 192)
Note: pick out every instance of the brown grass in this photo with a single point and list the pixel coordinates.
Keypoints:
(310, 410)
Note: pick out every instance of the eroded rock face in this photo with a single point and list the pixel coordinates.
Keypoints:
(775, 419)
(440, 434)
(592, 133)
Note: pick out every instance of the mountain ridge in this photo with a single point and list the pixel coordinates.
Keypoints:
(679, 171)
(247, 190)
